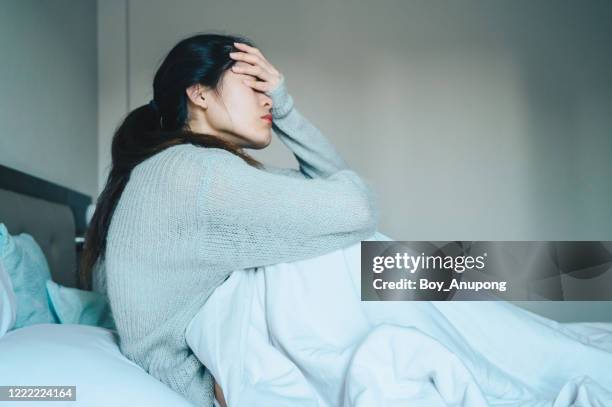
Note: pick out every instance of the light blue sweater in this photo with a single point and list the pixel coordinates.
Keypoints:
(189, 216)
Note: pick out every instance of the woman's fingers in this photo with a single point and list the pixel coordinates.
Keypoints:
(247, 47)
(255, 51)
(252, 62)
(253, 70)
(250, 58)
(259, 85)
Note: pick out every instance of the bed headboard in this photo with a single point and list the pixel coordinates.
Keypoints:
(54, 215)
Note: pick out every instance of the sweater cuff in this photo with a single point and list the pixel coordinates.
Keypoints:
(281, 99)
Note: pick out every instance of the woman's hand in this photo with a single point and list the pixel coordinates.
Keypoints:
(252, 62)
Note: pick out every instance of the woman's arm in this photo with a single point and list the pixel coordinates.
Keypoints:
(291, 172)
(317, 157)
(254, 218)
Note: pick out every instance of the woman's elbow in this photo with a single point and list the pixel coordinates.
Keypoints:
(362, 200)
(368, 215)
(371, 225)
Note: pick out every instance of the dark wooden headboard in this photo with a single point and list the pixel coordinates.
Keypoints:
(54, 215)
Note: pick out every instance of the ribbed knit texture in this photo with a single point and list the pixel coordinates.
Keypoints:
(189, 216)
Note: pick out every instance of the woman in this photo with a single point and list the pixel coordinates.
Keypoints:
(184, 205)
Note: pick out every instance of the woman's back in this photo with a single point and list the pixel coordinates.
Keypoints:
(155, 277)
(190, 215)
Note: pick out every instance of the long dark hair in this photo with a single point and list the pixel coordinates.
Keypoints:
(153, 127)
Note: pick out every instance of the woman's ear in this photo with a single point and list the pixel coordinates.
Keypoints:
(197, 95)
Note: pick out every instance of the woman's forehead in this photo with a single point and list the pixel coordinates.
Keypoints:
(233, 78)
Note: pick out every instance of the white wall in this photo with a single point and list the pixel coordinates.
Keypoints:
(48, 90)
(474, 120)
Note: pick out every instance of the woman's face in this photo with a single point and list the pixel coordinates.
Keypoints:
(236, 116)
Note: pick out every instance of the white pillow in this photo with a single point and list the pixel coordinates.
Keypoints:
(84, 356)
(8, 303)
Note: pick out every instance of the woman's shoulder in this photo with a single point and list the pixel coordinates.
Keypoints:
(181, 155)
(199, 151)
(207, 155)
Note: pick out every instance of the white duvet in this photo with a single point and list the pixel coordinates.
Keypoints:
(297, 334)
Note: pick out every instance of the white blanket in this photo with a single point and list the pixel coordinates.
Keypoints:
(297, 334)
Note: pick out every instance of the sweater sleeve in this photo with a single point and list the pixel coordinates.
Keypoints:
(255, 218)
(290, 172)
(316, 155)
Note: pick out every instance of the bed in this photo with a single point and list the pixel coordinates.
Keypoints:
(88, 357)
(82, 356)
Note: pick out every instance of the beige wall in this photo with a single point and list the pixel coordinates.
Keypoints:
(474, 120)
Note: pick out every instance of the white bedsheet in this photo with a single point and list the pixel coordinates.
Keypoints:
(84, 356)
(297, 334)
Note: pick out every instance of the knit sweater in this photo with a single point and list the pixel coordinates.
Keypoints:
(190, 215)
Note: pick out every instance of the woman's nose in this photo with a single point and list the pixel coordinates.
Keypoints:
(268, 101)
